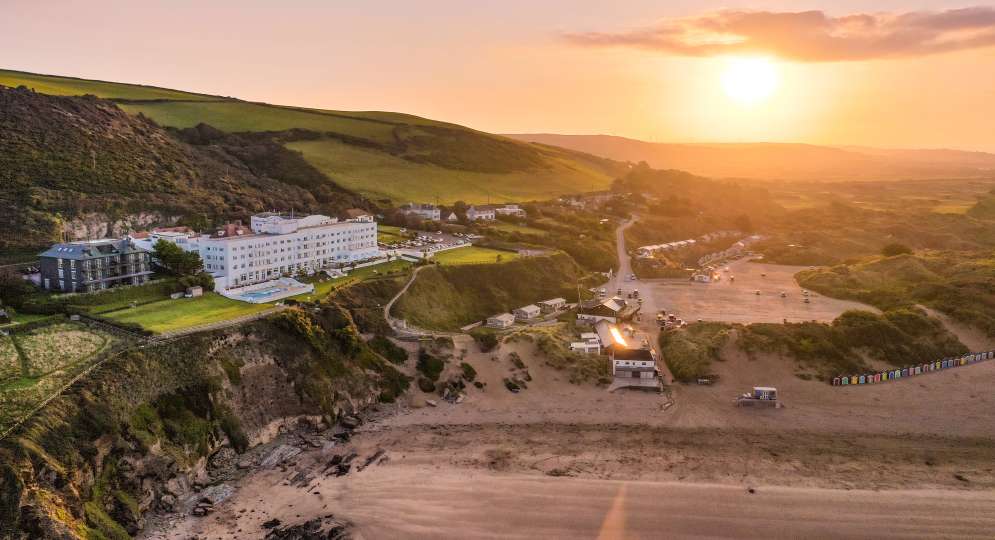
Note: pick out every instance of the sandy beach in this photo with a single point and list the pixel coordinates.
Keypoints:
(911, 459)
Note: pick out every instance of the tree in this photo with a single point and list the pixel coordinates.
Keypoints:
(892, 250)
(175, 260)
(14, 290)
(743, 223)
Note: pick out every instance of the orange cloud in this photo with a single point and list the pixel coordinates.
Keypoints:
(809, 36)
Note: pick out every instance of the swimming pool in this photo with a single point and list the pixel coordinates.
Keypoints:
(261, 293)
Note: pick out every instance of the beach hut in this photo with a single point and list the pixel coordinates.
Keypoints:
(862, 380)
(846, 381)
(836, 381)
(853, 379)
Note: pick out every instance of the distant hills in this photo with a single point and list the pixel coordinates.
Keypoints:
(384, 156)
(121, 155)
(779, 161)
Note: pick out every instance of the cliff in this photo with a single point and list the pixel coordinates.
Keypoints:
(139, 434)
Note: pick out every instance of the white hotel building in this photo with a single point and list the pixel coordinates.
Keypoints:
(279, 245)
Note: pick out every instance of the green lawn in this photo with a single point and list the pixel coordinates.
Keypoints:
(388, 234)
(23, 318)
(473, 255)
(381, 175)
(512, 227)
(323, 288)
(169, 315)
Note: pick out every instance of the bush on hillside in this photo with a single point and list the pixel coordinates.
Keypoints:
(388, 349)
(689, 352)
(486, 338)
(429, 365)
(892, 250)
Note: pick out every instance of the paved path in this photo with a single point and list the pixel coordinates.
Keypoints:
(647, 322)
(402, 329)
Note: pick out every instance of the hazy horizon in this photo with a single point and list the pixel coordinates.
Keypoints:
(893, 74)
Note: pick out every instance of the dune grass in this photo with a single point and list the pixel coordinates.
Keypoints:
(171, 315)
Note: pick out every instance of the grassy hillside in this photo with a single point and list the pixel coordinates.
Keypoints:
(956, 283)
(381, 175)
(448, 297)
(389, 156)
(66, 158)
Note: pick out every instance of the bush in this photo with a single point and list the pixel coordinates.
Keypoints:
(486, 338)
(689, 352)
(388, 349)
(469, 373)
(892, 250)
(426, 385)
(430, 366)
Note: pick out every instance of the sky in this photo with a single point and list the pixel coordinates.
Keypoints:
(849, 72)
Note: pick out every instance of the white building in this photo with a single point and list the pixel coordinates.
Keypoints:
(503, 320)
(525, 313)
(552, 305)
(424, 211)
(589, 344)
(510, 210)
(184, 237)
(475, 213)
(279, 245)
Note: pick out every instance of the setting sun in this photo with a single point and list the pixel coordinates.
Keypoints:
(749, 80)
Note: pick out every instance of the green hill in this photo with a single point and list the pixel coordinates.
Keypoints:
(388, 157)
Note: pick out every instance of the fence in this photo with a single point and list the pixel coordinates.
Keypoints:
(914, 370)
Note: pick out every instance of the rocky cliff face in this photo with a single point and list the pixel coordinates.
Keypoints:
(101, 225)
(151, 426)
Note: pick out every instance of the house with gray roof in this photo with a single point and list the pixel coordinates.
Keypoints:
(93, 265)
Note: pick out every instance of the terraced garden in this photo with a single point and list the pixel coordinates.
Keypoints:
(36, 364)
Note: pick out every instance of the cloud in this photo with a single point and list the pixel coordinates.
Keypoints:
(809, 36)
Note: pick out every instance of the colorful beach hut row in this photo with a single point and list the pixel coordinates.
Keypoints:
(912, 371)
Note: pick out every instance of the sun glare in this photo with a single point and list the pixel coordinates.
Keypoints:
(750, 80)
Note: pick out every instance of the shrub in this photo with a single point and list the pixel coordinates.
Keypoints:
(891, 250)
(486, 338)
(388, 349)
(426, 385)
(430, 366)
(689, 352)
(469, 373)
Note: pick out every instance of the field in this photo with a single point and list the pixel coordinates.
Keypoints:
(235, 116)
(473, 255)
(515, 228)
(10, 360)
(69, 86)
(381, 175)
(170, 315)
(387, 234)
(49, 357)
(56, 346)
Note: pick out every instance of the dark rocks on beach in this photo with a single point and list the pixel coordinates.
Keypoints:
(323, 528)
